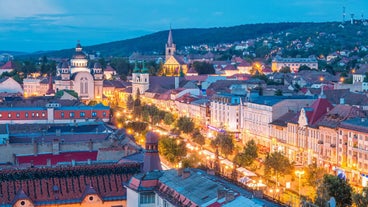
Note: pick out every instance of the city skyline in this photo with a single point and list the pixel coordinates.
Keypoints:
(53, 25)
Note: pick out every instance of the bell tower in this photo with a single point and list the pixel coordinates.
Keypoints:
(170, 46)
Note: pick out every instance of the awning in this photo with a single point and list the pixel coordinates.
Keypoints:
(246, 172)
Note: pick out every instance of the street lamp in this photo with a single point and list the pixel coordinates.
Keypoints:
(299, 173)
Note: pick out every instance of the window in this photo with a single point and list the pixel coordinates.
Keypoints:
(82, 114)
(104, 113)
(33, 114)
(147, 198)
(9, 115)
(26, 114)
(94, 114)
(18, 115)
(62, 114)
(71, 114)
(43, 114)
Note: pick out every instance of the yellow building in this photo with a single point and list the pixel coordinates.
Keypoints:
(174, 66)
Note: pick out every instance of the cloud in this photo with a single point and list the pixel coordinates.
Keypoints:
(10, 9)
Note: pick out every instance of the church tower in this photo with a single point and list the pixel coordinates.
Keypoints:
(170, 46)
(151, 157)
(98, 80)
(140, 79)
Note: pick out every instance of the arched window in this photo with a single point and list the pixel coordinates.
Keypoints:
(84, 85)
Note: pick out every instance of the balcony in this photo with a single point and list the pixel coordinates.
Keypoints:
(320, 142)
(333, 145)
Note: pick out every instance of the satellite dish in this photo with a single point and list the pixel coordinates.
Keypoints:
(332, 202)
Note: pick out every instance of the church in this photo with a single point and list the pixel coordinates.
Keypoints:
(75, 75)
(175, 65)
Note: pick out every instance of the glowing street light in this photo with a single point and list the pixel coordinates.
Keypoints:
(299, 173)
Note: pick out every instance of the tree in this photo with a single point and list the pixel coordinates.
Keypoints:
(366, 77)
(285, 69)
(203, 68)
(333, 186)
(361, 198)
(315, 175)
(224, 142)
(130, 102)
(185, 124)
(172, 149)
(278, 92)
(277, 164)
(138, 127)
(303, 67)
(248, 155)
(168, 118)
(198, 137)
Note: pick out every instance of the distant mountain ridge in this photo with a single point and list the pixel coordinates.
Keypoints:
(155, 42)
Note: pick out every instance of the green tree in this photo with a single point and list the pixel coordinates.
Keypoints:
(332, 186)
(203, 68)
(304, 67)
(185, 124)
(198, 137)
(130, 102)
(315, 175)
(137, 126)
(285, 69)
(168, 118)
(172, 149)
(248, 155)
(366, 77)
(277, 164)
(361, 198)
(224, 142)
(278, 92)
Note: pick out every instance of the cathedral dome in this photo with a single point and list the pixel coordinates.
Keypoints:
(79, 55)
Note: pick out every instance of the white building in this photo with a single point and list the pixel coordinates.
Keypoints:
(76, 75)
(293, 63)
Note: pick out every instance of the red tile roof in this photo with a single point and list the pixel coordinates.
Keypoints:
(67, 184)
(41, 159)
(8, 65)
(320, 107)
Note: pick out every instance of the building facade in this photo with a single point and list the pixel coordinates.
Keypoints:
(293, 63)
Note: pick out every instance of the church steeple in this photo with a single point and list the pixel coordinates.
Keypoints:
(170, 46)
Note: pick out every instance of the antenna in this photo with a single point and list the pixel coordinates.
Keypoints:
(352, 18)
(343, 14)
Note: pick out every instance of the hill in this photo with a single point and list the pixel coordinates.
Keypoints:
(154, 43)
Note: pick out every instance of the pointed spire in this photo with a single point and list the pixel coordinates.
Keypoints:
(170, 39)
(322, 95)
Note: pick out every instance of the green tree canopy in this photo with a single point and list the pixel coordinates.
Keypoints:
(173, 150)
(168, 118)
(361, 198)
(277, 164)
(130, 102)
(278, 92)
(198, 137)
(285, 69)
(185, 124)
(137, 126)
(332, 186)
(224, 142)
(203, 68)
(248, 155)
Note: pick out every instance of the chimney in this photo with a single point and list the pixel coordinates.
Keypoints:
(230, 195)
(180, 171)
(342, 101)
(90, 145)
(176, 82)
(221, 193)
(186, 173)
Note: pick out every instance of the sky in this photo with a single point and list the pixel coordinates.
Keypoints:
(39, 25)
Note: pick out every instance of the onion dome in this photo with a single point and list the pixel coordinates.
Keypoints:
(136, 69)
(65, 65)
(144, 69)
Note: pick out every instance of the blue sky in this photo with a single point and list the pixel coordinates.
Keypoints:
(32, 25)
